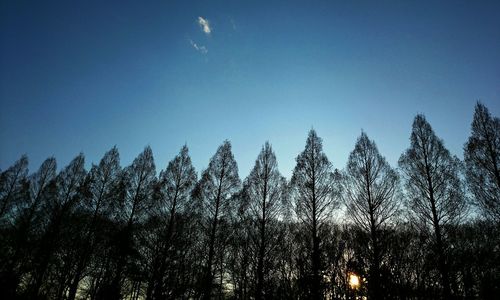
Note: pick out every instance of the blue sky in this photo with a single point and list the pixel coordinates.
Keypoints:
(84, 76)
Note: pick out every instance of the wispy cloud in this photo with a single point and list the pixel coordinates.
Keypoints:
(205, 25)
(200, 48)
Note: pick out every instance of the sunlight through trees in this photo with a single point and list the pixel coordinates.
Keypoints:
(428, 230)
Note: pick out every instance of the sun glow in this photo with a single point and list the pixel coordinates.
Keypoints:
(353, 281)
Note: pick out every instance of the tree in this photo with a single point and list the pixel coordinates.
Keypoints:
(315, 191)
(434, 188)
(60, 202)
(116, 234)
(370, 194)
(98, 204)
(11, 181)
(175, 187)
(482, 161)
(136, 187)
(265, 189)
(218, 183)
(19, 248)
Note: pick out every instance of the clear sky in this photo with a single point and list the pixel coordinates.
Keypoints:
(82, 76)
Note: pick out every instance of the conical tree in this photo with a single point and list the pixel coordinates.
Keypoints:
(140, 178)
(99, 204)
(218, 183)
(175, 185)
(371, 188)
(136, 187)
(10, 185)
(265, 190)
(26, 219)
(434, 189)
(315, 191)
(482, 161)
(59, 205)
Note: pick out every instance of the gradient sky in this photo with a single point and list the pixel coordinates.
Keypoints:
(82, 76)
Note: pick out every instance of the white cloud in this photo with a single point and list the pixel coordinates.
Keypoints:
(205, 25)
(200, 48)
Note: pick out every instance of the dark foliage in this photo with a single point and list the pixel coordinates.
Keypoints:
(113, 233)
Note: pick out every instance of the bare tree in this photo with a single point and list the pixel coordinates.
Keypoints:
(482, 161)
(124, 234)
(25, 219)
(175, 187)
(370, 194)
(433, 187)
(10, 185)
(218, 183)
(265, 189)
(137, 182)
(59, 205)
(315, 192)
(99, 204)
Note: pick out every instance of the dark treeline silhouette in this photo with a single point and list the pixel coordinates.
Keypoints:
(429, 229)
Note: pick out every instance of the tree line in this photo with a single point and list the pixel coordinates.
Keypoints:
(429, 229)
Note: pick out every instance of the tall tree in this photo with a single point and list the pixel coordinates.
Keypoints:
(371, 190)
(140, 179)
(265, 189)
(315, 190)
(11, 181)
(59, 205)
(218, 183)
(434, 188)
(175, 186)
(98, 204)
(482, 161)
(137, 188)
(23, 231)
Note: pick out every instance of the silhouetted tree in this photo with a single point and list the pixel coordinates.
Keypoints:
(482, 161)
(218, 183)
(370, 194)
(433, 187)
(124, 234)
(137, 182)
(265, 189)
(175, 187)
(315, 190)
(59, 205)
(11, 181)
(98, 205)
(18, 245)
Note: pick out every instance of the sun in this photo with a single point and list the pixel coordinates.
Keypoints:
(353, 281)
